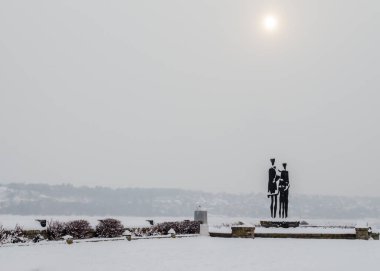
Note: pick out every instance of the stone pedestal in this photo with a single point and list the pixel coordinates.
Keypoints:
(200, 215)
(375, 235)
(362, 233)
(279, 224)
(243, 231)
(203, 231)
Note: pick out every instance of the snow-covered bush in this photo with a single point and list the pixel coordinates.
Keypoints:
(38, 238)
(182, 227)
(109, 228)
(3, 235)
(55, 230)
(79, 229)
(141, 231)
(17, 235)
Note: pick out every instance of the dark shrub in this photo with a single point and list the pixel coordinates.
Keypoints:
(55, 230)
(38, 238)
(183, 227)
(79, 229)
(3, 235)
(109, 228)
(17, 235)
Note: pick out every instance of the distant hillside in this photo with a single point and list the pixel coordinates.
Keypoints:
(43, 199)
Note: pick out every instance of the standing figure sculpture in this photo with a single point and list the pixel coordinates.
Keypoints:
(273, 188)
(283, 187)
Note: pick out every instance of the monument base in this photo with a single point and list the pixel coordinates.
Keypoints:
(279, 224)
(243, 231)
(203, 231)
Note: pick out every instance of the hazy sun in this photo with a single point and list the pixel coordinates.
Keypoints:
(270, 23)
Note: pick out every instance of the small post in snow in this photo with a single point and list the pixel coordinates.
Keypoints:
(128, 235)
(172, 233)
(69, 239)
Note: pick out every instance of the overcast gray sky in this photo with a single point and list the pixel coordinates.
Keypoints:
(191, 94)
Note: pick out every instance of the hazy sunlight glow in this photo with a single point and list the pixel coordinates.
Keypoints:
(270, 23)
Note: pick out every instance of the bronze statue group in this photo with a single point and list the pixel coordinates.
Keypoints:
(278, 185)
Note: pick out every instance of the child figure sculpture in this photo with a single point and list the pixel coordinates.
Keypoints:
(283, 188)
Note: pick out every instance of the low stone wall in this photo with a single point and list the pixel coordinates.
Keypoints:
(221, 234)
(307, 235)
(249, 232)
(30, 234)
(374, 235)
(243, 231)
(293, 235)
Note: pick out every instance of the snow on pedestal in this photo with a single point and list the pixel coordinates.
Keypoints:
(361, 224)
(361, 229)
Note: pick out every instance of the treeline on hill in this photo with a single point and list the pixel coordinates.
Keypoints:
(81, 229)
(43, 199)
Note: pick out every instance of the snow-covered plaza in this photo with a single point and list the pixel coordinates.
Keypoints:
(195, 253)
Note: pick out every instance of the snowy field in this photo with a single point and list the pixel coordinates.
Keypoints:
(196, 253)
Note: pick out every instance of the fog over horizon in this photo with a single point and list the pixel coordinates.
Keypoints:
(42, 199)
(191, 95)
(200, 190)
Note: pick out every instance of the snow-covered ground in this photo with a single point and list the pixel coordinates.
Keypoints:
(197, 253)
